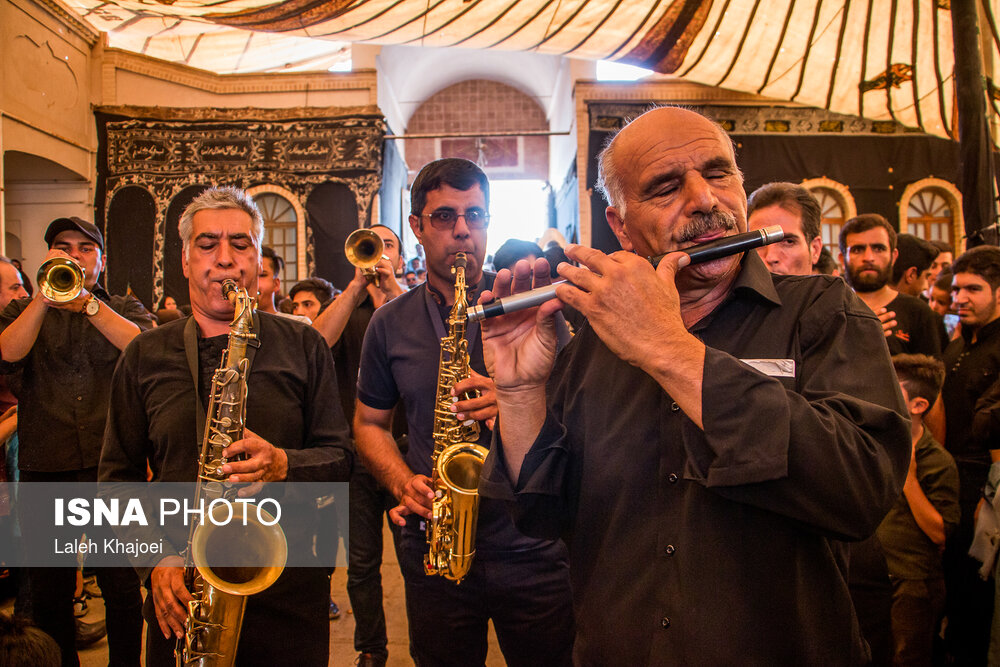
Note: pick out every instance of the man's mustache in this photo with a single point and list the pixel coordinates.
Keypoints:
(706, 223)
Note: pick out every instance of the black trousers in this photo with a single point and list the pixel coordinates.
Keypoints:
(368, 504)
(286, 625)
(526, 594)
(969, 599)
(51, 591)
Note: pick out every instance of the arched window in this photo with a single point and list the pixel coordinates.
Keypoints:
(836, 205)
(928, 215)
(282, 221)
(932, 209)
(831, 218)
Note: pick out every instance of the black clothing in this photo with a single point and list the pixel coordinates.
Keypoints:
(62, 386)
(51, 588)
(709, 547)
(970, 370)
(291, 403)
(533, 623)
(368, 504)
(515, 580)
(65, 382)
(368, 500)
(918, 330)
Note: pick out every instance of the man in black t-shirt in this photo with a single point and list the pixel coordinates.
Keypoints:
(867, 253)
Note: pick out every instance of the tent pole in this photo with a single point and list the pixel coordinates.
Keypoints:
(976, 146)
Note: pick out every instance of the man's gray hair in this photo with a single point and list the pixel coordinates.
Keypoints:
(611, 182)
(221, 198)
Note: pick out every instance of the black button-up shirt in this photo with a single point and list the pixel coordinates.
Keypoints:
(63, 389)
(970, 370)
(721, 547)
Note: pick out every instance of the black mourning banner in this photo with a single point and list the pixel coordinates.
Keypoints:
(152, 162)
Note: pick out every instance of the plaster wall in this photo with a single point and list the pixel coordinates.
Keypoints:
(45, 84)
(30, 207)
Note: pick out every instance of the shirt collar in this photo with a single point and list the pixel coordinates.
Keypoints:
(985, 332)
(755, 280)
(100, 293)
(471, 293)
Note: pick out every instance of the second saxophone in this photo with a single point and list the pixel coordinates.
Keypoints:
(457, 460)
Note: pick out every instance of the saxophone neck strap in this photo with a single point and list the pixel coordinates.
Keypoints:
(434, 312)
(191, 352)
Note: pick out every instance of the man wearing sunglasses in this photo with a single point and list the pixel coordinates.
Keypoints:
(521, 583)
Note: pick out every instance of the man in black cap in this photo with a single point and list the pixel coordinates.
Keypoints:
(66, 354)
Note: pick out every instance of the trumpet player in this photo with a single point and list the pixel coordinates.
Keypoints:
(521, 583)
(66, 348)
(295, 429)
(343, 325)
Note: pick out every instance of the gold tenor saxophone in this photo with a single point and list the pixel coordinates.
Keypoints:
(457, 460)
(212, 631)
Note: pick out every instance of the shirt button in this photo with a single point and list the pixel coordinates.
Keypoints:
(672, 478)
(669, 549)
(674, 407)
(665, 622)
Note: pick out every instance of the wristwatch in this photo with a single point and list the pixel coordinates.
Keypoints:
(92, 306)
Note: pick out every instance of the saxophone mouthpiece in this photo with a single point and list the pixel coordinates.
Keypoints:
(229, 289)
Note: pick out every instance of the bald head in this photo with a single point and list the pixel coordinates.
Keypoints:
(637, 137)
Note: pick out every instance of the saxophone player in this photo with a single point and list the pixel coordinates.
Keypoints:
(295, 431)
(519, 582)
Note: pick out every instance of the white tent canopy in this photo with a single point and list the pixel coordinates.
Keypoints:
(881, 59)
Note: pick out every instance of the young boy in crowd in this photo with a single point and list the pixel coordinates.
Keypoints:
(913, 533)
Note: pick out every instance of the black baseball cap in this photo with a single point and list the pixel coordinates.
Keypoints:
(88, 229)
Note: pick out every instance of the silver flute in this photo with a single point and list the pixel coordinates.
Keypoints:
(704, 252)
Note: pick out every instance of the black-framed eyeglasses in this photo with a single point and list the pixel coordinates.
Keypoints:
(444, 219)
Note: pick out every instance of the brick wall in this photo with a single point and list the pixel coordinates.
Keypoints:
(481, 106)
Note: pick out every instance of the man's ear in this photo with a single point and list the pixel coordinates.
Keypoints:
(617, 224)
(910, 275)
(843, 264)
(815, 250)
(416, 227)
(919, 405)
(184, 262)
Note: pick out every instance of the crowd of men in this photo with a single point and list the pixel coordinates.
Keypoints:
(743, 461)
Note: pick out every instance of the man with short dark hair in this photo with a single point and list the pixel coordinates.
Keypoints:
(343, 325)
(513, 250)
(941, 263)
(796, 211)
(66, 353)
(867, 253)
(518, 582)
(912, 269)
(311, 296)
(269, 284)
(972, 362)
(703, 444)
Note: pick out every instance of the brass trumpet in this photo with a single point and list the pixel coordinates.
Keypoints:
(60, 279)
(364, 249)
